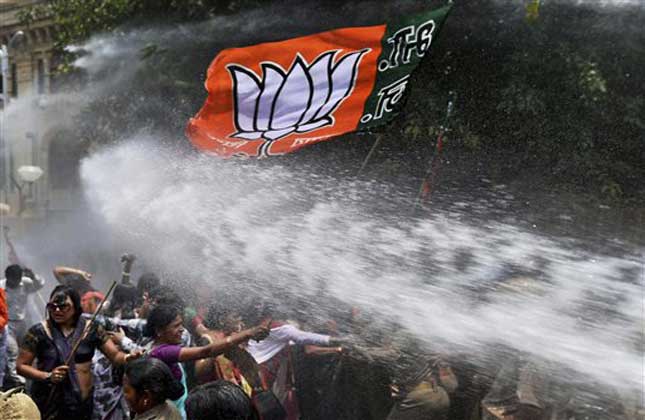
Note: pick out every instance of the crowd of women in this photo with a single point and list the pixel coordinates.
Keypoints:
(177, 352)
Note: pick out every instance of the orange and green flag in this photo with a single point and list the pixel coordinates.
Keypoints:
(274, 98)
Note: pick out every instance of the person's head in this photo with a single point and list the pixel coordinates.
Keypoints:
(165, 295)
(165, 324)
(13, 274)
(64, 305)
(222, 318)
(258, 310)
(123, 300)
(147, 282)
(219, 400)
(91, 300)
(161, 295)
(147, 383)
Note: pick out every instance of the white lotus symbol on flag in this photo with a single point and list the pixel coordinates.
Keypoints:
(296, 101)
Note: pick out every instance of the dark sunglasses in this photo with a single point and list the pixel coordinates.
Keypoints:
(56, 307)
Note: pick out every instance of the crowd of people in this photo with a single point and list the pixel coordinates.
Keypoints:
(153, 350)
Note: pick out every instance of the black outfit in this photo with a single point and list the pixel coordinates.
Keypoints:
(52, 349)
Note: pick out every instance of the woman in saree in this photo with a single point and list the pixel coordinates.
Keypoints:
(61, 388)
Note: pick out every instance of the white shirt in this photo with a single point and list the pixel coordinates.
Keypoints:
(281, 336)
(17, 297)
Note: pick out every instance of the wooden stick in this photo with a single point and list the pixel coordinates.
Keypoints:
(88, 326)
(42, 301)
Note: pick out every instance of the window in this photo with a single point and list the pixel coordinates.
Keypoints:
(35, 147)
(64, 158)
(12, 170)
(14, 80)
(3, 167)
(40, 77)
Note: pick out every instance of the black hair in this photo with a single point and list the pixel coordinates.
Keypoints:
(164, 295)
(215, 316)
(256, 310)
(13, 274)
(124, 299)
(161, 316)
(154, 376)
(147, 282)
(219, 310)
(62, 292)
(220, 400)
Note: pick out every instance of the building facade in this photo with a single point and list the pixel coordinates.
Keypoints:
(34, 123)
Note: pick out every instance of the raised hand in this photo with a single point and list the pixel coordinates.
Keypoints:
(262, 331)
(127, 260)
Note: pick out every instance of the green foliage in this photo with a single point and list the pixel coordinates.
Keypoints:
(78, 19)
(556, 100)
(592, 83)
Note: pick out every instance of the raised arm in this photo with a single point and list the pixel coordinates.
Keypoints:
(61, 272)
(311, 350)
(13, 255)
(291, 333)
(127, 260)
(217, 347)
(36, 282)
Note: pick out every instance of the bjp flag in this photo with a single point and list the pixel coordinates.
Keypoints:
(274, 98)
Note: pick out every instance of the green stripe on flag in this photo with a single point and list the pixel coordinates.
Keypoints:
(405, 44)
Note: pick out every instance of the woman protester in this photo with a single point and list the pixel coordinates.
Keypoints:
(148, 384)
(61, 390)
(165, 325)
(236, 365)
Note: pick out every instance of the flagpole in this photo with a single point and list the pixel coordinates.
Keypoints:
(379, 137)
(427, 185)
